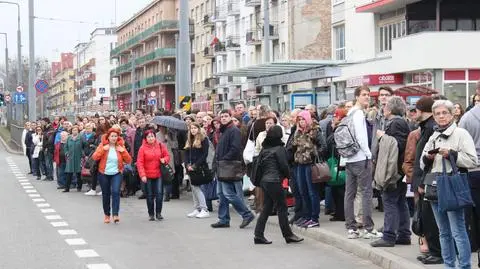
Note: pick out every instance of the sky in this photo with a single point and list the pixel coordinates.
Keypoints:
(61, 24)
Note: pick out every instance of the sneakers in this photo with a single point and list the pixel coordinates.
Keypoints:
(203, 214)
(373, 234)
(353, 234)
(99, 193)
(193, 214)
(106, 219)
(309, 224)
(91, 193)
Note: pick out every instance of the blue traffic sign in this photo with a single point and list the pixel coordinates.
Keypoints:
(101, 90)
(19, 98)
(41, 86)
(152, 102)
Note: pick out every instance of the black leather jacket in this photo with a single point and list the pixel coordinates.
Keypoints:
(274, 163)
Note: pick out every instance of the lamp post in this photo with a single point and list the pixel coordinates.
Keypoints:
(6, 61)
(19, 42)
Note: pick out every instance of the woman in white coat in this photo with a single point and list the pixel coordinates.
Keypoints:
(37, 154)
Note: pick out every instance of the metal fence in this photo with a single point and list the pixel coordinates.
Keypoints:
(16, 130)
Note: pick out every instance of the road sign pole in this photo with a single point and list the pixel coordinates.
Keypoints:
(32, 102)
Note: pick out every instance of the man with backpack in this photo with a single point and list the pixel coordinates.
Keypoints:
(351, 138)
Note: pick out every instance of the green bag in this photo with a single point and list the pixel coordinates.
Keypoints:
(338, 176)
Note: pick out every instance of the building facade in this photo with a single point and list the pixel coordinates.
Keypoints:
(61, 93)
(92, 71)
(421, 45)
(145, 56)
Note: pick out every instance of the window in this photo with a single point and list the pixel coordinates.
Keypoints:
(448, 25)
(339, 42)
(207, 7)
(202, 10)
(456, 92)
(465, 25)
(283, 56)
(390, 31)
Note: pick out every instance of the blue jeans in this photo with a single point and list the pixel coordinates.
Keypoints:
(61, 177)
(231, 193)
(49, 164)
(452, 230)
(308, 191)
(396, 222)
(329, 204)
(110, 185)
(154, 189)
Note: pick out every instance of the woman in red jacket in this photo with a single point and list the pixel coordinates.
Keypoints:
(150, 156)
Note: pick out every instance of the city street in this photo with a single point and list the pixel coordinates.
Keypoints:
(31, 209)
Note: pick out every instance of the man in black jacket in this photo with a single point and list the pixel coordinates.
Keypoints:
(430, 228)
(137, 143)
(229, 150)
(48, 148)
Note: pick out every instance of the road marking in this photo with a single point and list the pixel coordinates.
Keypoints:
(34, 195)
(59, 224)
(48, 210)
(36, 200)
(25, 183)
(21, 178)
(30, 191)
(86, 253)
(53, 217)
(75, 241)
(28, 187)
(43, 205)
(99, 266)
(67, 232)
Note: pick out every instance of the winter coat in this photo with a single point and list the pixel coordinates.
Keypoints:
(173, 152)
(24, 146)
(460, 144)
(398, 128)
(426, 128)
(307, 142)
(38, 144)
(410, 151)
(148, 159)
(258, 126)
(73, 152)
(258, 143)
(101, 155)
(48, 141)
(88, 144)
(137, 143)
(197, 156)
(129, 139)
(29, 141)
(229, 146)
(386, 169)
(274, 162)
(471, 122)
(290, 147)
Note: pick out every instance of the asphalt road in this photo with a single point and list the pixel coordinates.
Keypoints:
(29, 238)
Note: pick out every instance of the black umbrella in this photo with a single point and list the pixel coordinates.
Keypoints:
(169, 122)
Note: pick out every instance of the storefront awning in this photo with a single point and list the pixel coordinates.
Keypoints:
(415, 91)
(382, 6)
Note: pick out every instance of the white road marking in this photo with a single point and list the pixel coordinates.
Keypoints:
(30, 191)
(43, 205)
(36, 200)
(28, 187)
(67, 232)
(21, 178)
(75, 241)
(86, 253)
(59, 224)
(25, 183)
(99, 266)
(34, 195)
(48, 210)
(53, 217)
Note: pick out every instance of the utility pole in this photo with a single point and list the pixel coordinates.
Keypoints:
(32, 104)
(184, 69)
(266, 32)
(134, 90)
(6, 62)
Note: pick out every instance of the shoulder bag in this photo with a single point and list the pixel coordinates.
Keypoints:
(249, 151)
(320, 170)
(230, 170)
(453, 190)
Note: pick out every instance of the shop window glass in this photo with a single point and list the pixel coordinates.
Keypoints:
(456, 92)
(478, 24)
(448, 25)
(472, 87)
(465, 25)
(417, 26)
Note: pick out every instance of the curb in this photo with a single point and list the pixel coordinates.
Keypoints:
(377, 256)
(8, 149)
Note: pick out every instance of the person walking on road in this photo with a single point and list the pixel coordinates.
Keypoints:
(111, 154)
(152, 154)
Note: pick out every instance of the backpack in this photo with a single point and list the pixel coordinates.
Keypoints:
(211, 154)
(344, 135)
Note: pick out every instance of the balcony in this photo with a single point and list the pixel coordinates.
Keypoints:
(233, 43)
(234, 81)
(207, 21)
(160, 27)
(208, 52)
(253, 3)
(158, 54)
(253, 37)
(157, 79)
(273, 31)
(220, 16)
(233, 9)
(122, 89)
(220, 49)
(210, 83)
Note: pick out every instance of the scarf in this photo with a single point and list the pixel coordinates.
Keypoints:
(439, 129)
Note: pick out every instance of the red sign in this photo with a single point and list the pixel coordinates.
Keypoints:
(120, 104)
(384, 79)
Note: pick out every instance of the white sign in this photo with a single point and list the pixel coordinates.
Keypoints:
(153, 94)
(19, 89)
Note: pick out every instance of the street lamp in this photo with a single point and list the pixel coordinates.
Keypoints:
(19, 42)
(6, 61)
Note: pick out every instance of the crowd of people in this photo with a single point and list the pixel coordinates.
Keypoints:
(386, 151)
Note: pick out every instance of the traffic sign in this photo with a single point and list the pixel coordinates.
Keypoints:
(19, 89)
(19, 98)
(185, 103)
(152, 102)
(101, 90)
(41, 86)
(153, 94)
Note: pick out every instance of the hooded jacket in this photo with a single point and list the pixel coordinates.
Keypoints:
(307, 140)
(101, 155)
(148, 159)
(471, 122)
(274, 162)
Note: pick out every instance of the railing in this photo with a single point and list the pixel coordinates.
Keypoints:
(233, 42)
(253, 36)
(151, 56)
(207, 20)
(233, 8)
(16, 131)
(160, 26)
(219, 47)
(208, 52)
(252, 3)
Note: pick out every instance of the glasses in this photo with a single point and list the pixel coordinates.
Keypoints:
(385, 95)
(443, 113)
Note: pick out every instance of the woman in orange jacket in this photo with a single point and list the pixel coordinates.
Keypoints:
(151, 156)
(111, 154)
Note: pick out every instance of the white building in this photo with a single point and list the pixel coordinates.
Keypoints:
(417, 44)
(92, 64)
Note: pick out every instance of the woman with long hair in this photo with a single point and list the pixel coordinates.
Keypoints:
(112, 155)
(151, 156)
(458, 112)
(196, 152)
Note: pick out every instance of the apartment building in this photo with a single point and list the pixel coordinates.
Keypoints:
(145, 57)
(412, 45)
(60, 100)
(92, 71)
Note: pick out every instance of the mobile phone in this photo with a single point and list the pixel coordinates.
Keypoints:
(434, 151)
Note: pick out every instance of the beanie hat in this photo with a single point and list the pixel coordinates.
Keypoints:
(275, 132)
(425, 104)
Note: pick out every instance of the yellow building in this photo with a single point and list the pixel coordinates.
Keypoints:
(61, 95)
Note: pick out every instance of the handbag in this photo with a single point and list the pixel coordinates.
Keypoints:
(249, 150)
(85, 172)
(210, 190)
(320, 170)
(453, 190)
(167, 173)
(417, 224)
(338, 175)
(430, 182)
(230, 170)
(200, 175)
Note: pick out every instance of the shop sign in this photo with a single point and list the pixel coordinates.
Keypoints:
(356, 82)
(384, 79)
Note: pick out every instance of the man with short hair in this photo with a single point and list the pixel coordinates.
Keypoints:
(229, 150)
(240, 110)
(137, 143)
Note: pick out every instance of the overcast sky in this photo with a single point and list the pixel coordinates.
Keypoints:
(61, 34)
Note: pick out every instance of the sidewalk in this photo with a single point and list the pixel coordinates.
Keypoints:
(334, 234)
(6, 145)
